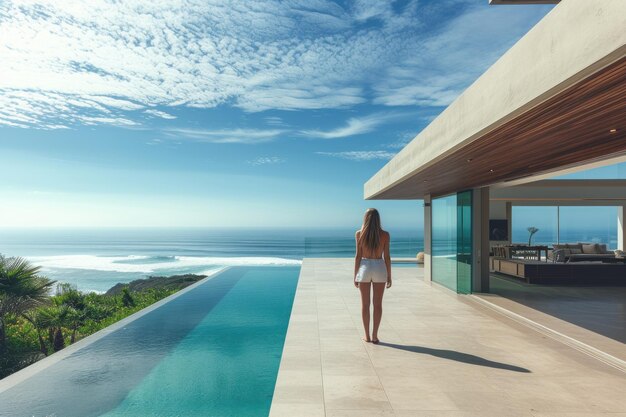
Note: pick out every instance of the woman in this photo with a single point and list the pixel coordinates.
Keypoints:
(372, 269)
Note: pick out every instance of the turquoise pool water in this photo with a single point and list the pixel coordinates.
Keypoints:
(213, 351)
(405, 265)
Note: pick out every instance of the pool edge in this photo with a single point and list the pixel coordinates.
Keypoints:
(23, 374)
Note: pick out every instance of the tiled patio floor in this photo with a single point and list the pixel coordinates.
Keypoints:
(439, 356)
(595, 316)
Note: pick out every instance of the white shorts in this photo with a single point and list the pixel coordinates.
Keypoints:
(372, 270)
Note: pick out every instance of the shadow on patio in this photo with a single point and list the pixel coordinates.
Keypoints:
(456, 356)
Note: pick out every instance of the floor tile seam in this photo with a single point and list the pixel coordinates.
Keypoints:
(548, 319)
(369, 357)
(298, 288)
(575, 344)
(454, 298)
(487, 315)
(317, 311)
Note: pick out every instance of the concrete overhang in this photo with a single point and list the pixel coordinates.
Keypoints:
(553, 102)
(523, 1)
(571, 192)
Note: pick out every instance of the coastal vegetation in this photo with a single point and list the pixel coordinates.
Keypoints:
(39, 316)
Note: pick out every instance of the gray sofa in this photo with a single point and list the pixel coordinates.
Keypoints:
(581, 252)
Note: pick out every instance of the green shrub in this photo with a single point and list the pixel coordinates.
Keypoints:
(64, 318)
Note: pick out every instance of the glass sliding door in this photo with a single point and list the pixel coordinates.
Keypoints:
(444, 241)
(464, 242)
(452, 241)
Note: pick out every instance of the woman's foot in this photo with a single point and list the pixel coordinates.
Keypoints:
(375, 340)
(367, 339)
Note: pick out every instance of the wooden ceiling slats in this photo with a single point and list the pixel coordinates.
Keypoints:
(569, 129)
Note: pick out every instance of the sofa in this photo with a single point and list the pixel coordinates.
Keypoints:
(580, 252)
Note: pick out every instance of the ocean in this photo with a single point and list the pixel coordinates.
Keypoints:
(97, 259)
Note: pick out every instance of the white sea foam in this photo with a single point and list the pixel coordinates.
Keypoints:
(92, 290)
(207, 272)
(122, 263)
(236, 261)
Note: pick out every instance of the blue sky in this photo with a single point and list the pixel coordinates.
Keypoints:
(227, 113)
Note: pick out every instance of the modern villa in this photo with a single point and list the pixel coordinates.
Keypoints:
(476, 332)
(554, 104)
(490, 326)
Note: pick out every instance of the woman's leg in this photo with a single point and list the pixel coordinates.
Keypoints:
(379, 290)
(364, 288)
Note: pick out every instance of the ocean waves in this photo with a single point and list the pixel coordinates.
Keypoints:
(152, 264)
(97, 259)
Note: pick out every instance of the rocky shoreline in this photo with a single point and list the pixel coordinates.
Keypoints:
(177, 282)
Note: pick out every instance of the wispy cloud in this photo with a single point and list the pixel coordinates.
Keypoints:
(367, 9)
(116, 103)
(159, 113)
(360, 155)
(61, 61)
(440, 64)
(267, 160)
(116, 121)
(274, 121)
(403, 139)
(353, 126)
(249, 136)
(356, 126)
(154, 142)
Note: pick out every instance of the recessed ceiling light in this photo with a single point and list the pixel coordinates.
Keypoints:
(613, 131)
(469, 159)
(491, 170)
(425, 180)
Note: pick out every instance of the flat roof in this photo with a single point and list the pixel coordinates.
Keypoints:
(572, 192)
(554, 101)
(523, 1)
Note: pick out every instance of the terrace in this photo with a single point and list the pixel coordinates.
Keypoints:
(551, 106)
(441, 354)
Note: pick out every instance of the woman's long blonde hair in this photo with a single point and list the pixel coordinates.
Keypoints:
(371, 231)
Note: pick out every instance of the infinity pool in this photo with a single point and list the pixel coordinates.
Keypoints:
(212, 351)
(405, 265)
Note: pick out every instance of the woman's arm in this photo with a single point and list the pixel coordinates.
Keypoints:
(388, 260)
(357, 258)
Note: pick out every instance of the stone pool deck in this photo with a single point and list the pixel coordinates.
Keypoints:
(440, 355)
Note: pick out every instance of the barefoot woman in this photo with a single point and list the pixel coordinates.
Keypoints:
(372, 269)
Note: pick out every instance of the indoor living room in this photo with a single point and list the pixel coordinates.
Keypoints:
(556, 257)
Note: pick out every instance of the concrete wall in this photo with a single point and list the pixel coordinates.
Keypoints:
(496, 2)
(621, 226)
(583, 191)
(497, 210)
(480, 239)
(500, 210)
(576, 39)
(428, 276)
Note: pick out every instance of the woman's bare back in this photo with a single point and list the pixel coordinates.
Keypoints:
(379, 251)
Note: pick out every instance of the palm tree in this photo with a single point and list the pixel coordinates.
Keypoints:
(21, 289)
(531, 231)
(74, 308)
(41, 320)
(69, 310)
(57, 317)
